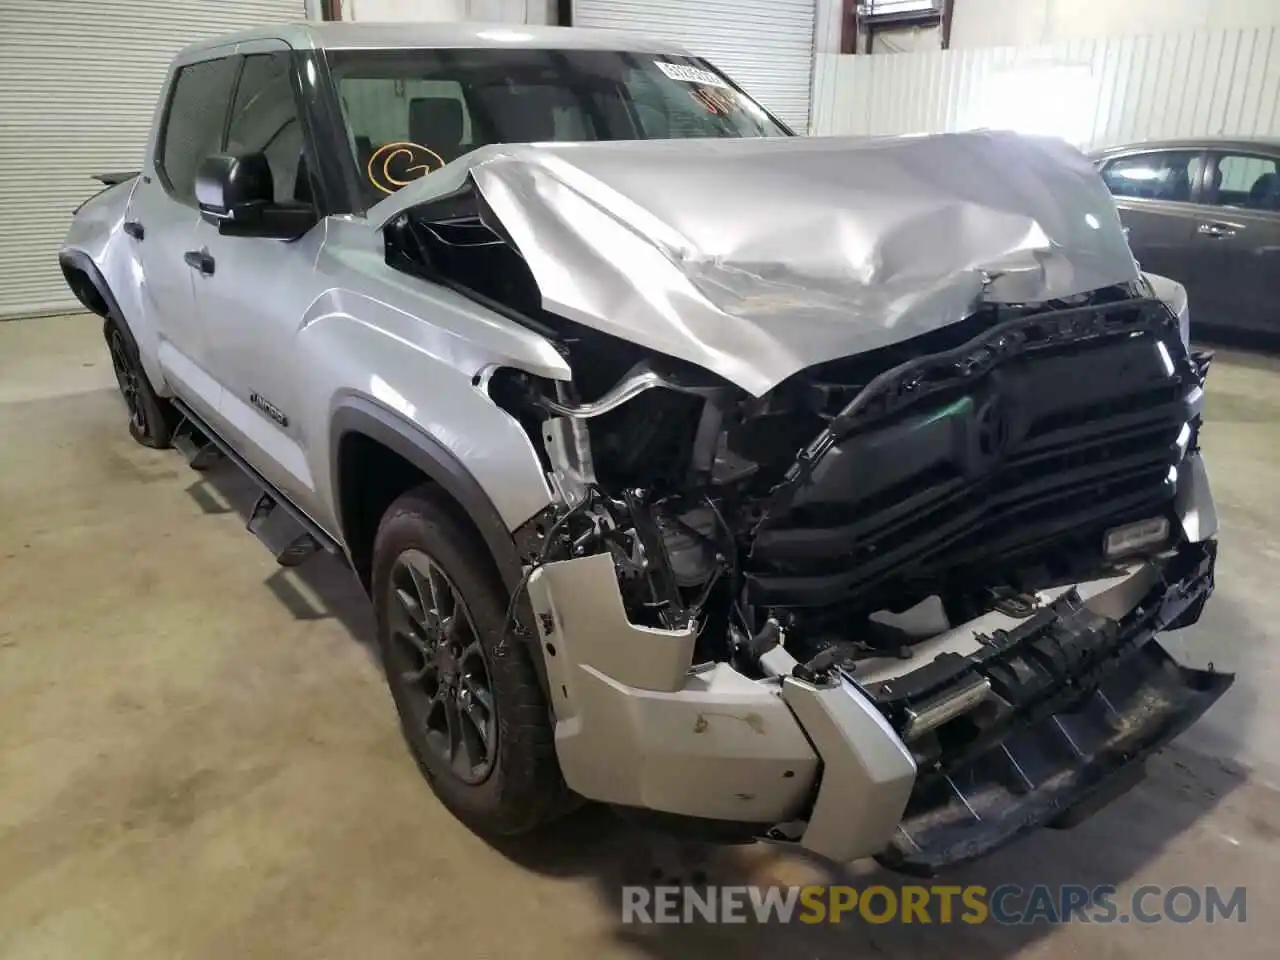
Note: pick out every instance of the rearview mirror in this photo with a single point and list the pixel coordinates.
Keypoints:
(237, 194)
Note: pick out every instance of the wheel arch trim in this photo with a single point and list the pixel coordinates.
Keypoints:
(360, 415)
(79, 260)
(73, 259)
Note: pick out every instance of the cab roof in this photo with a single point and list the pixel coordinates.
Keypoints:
(346, 35)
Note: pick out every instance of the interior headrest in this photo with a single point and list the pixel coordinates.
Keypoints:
(534, 123)
(1179, 185)
(1264, 190)
(436, 122)
(520, 116)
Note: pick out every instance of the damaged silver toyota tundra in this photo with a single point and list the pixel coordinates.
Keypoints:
(827, 491)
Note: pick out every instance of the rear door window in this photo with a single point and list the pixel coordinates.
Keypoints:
(1161, 175)
(1244, 180)
(194, 120)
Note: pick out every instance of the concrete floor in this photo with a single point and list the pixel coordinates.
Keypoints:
(198, 757)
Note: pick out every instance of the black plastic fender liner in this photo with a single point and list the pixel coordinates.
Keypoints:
(358, 415)
(363, 416)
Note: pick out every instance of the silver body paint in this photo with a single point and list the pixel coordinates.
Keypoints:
(752, 259)
(756, 258)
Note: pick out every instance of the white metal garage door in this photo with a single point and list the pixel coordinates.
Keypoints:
(78, 81)
(765, 45)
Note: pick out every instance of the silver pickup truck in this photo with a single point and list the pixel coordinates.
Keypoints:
(823, 490)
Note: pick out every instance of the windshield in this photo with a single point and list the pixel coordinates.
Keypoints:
(410, 112)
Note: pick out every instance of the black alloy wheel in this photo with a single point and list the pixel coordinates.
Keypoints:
(127, 378)
(152, 419)
(437, 661)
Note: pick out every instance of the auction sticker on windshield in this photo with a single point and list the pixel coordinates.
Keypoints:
(687, 74)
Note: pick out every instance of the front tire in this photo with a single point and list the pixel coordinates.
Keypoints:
(151, 419)
(471, 708)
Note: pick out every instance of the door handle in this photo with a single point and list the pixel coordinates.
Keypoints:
(199, 260)
(1216, 230)
(134, 229)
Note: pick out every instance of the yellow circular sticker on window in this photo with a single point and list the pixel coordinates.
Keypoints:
(394, 165)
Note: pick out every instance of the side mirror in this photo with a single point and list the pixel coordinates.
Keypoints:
(237, 194)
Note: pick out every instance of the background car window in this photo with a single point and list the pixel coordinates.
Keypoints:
(264, 119)
(1167, 175)
(194, 120)
(1243, 180)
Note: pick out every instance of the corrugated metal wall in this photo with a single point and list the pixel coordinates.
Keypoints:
(78, 84)
(1093, 93)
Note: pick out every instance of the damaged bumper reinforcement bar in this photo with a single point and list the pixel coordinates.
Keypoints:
(1073, 702)
(1087, 698)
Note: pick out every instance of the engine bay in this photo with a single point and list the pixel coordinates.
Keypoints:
(966, 468)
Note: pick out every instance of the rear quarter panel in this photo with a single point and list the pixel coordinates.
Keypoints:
(96, 233)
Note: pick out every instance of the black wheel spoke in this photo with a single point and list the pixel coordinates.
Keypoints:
(473, 740)
(427, 669)
(408, 610)
(480, 694)
(436, 719)
(442, 598)
(459, 748)
(421, 589)
(440, 667)
(479, 721)
(126, 379)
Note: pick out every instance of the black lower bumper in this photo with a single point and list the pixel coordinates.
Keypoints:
(1068, 747)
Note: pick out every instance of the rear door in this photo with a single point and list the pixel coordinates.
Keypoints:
(163, 217)
(1154, 192)
(1236, 268)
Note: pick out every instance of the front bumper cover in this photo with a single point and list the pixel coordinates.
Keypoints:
(1089, 696)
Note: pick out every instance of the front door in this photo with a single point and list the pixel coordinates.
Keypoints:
(162, 221)
(255, 291)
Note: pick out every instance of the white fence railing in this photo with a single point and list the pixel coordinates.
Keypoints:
(1093, 93)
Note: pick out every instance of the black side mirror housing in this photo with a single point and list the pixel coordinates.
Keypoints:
(234, 188)
(237, 194)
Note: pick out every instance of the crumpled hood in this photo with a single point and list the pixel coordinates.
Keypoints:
(757, 258)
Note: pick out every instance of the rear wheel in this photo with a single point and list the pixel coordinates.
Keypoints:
(470, 705)
(151, 419)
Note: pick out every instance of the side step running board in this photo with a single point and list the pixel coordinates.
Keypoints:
(200, 452)
(287, 539)
(286, 531)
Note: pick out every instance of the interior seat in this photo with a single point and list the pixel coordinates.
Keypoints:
(436, 123)
(1265, 193)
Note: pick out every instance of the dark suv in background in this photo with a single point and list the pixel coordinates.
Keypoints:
(1206, 213)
